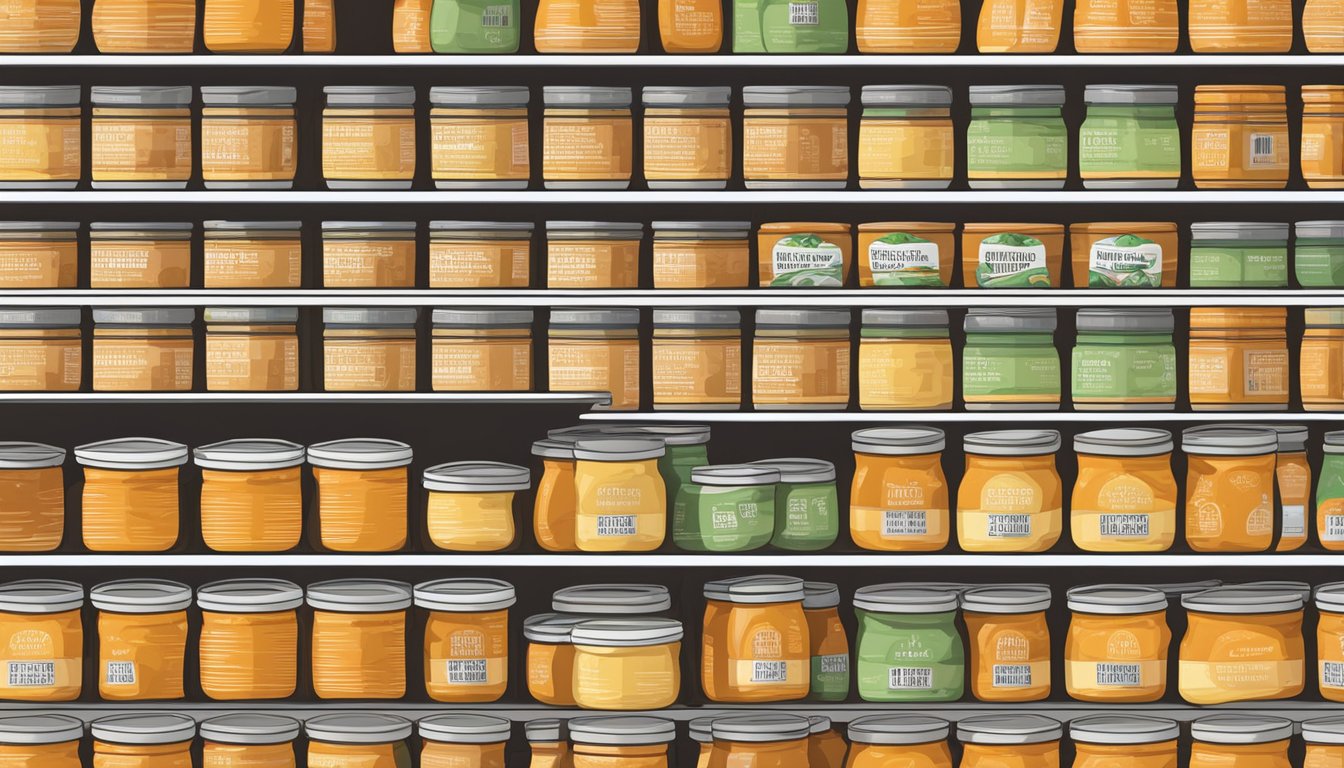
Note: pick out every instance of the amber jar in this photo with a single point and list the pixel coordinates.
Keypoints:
(249, 740)
(368, 254)
(249, 137)
(140, 254)
(479, 137)
(482, 350)
(368, 349)
(1239, 139)
(253, 254)
(39, 254)
(141, 137)
(688, 137)
(249, 642)
(368, 137)
(251, 349)
(1238, 358)
(39, 135)
(251, 494)
(41, 350)
(143, 350)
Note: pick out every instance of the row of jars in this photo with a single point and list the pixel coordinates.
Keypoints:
(685, 254)
(793, 137)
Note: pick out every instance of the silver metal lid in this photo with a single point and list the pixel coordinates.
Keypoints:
(597, 96)
(358, 227)
(544, 731)
(553, 628)
(39, 95)
(132, 453)
(477, 477)
(686, 96)
(1334, 442)
(618, 449)
(701, 230)
(502, 96)
(595, 318)
(149, 228)
(1007, 598)
(760, 728)
(697, 318)
(40, 729)
(1140, 95)
(756, 590)
(622, 730)
(141, 95)
(795, 95)
(1324, 730)
(249, 455)
(820, 594)
(1240, 729)
(1322, 230)
(1238, 600)
(621, 599)
(818, 724)
(1009, 729)
(465, 728)
(18, 455)
(21, 317)
(249, 596)
(1299, 587)
(359, 595)
(1176, 589)
(501, 229)
(39, 596)
(39, 226)
(670, 434)
(1230, 440)
(1017, 95)
(1292, 438)
(701, 730)
(164, 316)
(794, 470)
(1136, 320)
(250, 728)
(146, 728)
(906, 96)
(218, 225)
(734, 475)
(465, 595)
(626, 632)
(1123, 729)
(1116, 599)
(370, 95)
(248, 95)
(594, 230)
(1238, 230)
(1011, 320)
(553, 449)
(251, 315)
(360, 453)
(901, 598)
(358, 728)
(1329, 597)
(896, 730)
(898, 441)
(905, 318)
(141, 596)
(1124, 441)
(804, 318)
(1013, 442)
(391, 317)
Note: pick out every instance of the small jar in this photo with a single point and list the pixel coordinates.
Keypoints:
(909, 649)
(1017, 138)
(1116, 647)
(621, 498)
(41, 629)
(251, 349)
(144, 26)
(726, 508)
(39, 132)
(361, 494)
(1239, 139)
(140, 254)
(775, 738)
(359, 638)
(130, 497)
(1124, 360)
(1129, 26)
(1238, 358)
(466, 644)
(41, 350)
(249, 136)
(41, 26)
(593, 254)
(1007, 27)
(249, 740)
(549, 749)
(697, 359)
(1009, 361)
(1130, 138)
(804, 254)
(251, 495)
(1325, 741)
(148, 740)
(905, 360)
(469, 504)
(800, 360)
(700, 254)
(807, 510)
(1318, 253)
(1322, 129)
(595, 350)
(49, 740)
(688, 137)
(825, 747)
(368, 254)
(1238, 254)
(239, 26)
(253, 254)
(1330, 635)
(1240, 740)
(1258, 26)
(1010, 498)
(478, 137)
(550, 657)
(611, 742)
(1009, 642)
(368, 137)
(1124, 254)
(358, 738)
(1330, 499)
(141, 136)
(1122, 739)
(905, 136)
(795, 136)
(32, 495)
(587, 137)
(876, 741)
(700, 731)
(755, 645)
(1242, 645)
(899, 498)
(249, 643)
(695, 27)
(1012, 255)
(554, 505)
(626, 663)
(827, 642)
(45, 254)
(482, 350)
(143, 350)
(906, 254)
(368, 349)
(462, 738)
(1124, 497)
(142, 639)
(1229, 503)
(479, 254)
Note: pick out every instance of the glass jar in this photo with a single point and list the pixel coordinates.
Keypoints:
(697, 359)
(794, 137)
(1222, 741)
(825, 747)
(249, 26)
(1318, 253)
(1010, 498)
(894, 26)
(1234, 254)
(878, 741)
(688, 136)
(1242, 645)
(554, 505)
(1322, 351)
(909, 649)
(755, 642)
(1012, 255)
(827, 642)
(49, 740)
(1116, 646)
(44, 254)
(1009, 361)
(907, 254)
(144, 26)
(249, 642)
(249, 739)
(253, 254)
(145, 740)
(469, 504)
(125, 254)
(479, 137)
(1130, 139)
(32, 495)
(42, 632)
(587, 26)
(358, 738)
(368, 349)
(1017, 138)
(464, 26)
(1229, 504)
(701, 254)
(550, 657)
(251, 495)
(804, 254)
(807, 509)
(466, 642)
(1238, 358)
(690, 27)
(1323, 126)
(726, 508)
(1330, 638)
(462, 738)
(141, 134)
(1292, 484)
(368, 136)
(41, 26)
(1124, 497)
(1330, 497)
(1006, 26)
(587, 131)
(595, 350)
(593, 254)
(686, 448)
(610, 742)
(40, 131)
(548, 748)
(482, 350)
(319, 26)
(989, 741)
(1130, 740)
(765, 739)
(626, 663)
(1124, 360)
(800, 360)
(899, 501)
(251, 349)
(142, 639)
(361, 494)
(1325, 741)
(1009, 641)
(1124, 254)
(249, 135)
(1128, 26)
(700, 730)
(1239, 139)
(621, 498)
(41, 350)
(130, 497)
(905, 360)
(1246, 26)
(479, 254)
(905, 133)
(368, 254)
(143, 349)
(358, 639)
(771, 26)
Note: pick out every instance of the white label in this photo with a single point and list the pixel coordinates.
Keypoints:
(804, 14)
(807, 260)
(1294, 520)
(615, 525)
(769, 671)
(1114, 263)
(1262, 149)
(27, 674)
(1111, 674)
(1116, 526)
(1000, 262)
(120, 673)
(1332, 674)
(1009, 526)
(1012, 675)
(467, 671)
(905, 522)
(1334, 528)
(897, 263)
(836, 663)
(497, 16)
(910, 679)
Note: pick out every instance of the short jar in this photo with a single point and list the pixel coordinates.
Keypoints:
(50, 740)
(1229, 496)
(1116, 647)
(1325, 741)
(141, 136)
(626, 740)
(249, 740)
(907, 254)
(469, 504)
(804, 254)
(358, 738)
(807, 509)
(130, 496)
(1321, 161)
(1248, 27)
(479, 254)
(32, 495)
(1017, 138)
(1132, 740)
(1009, 642)
(41, 26)
(147, 740)
(1238, 254)
(763, 739)
(878, 741)
(1010, 361)
(464, 738)
(41, 350)
(755, 641)
(142, 639)
(40, 132)
(482, 350)
(45, 254)
(1124, 360)
(989, 741)
(587, 137)
(800, 360)
(1318, 253)
(626, 663)
(700, 254)
(143, 349)
(358, 646)
(795, 136)
(697, 359)
(1239, 139)
(1130, 26)
(1013, 255)
(361, 494)
(368, 254)
(1125, 494)
(1130, 138)
(479, 137)
(827, 642)
(905, 137)
(43, 634)
(621, 499)
(595, 350)
(239, 26)
(550, 657)
(466, 643)
(908, 649)
(251, 349)
(368, 349)
(144, 26)
(1011, 497)
(898, 501)
(1240, 740)
(1124, 254)
(593, 254)
(253, 254)
(249, 137)
(140, 254)
(726, 508)
(368, 137)
(688, 137)
(905, 360)
(1238, 358)
(249, 642)
(251, 494)
(1241, 645)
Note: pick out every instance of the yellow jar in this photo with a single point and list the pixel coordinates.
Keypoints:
(800, 360)
(553, 509)
(43, 638)
(143, 350)
(130, 498)
(368, 136)
(1134, 741)
(593, 254)
(1009, 642)
(755, 642)
(40, 135)
(795, 137)
(479, 136)
(1241, 26)
(905, 134)
(548, 749)
(39, 254)
(40, 26)
(142, 639)
(1116, 647)
(1019, 26)
(249, 26)
(1124, 495)
(251, 495)
(249, 643)
(251, 349)
(249, 740)
(595, 350)
(621, 498)
(1126, 26)
(766, 740)
(463, 739)
(1238, 358)
(908, 26)
(1325, 741)
(550, 658)
(51, 740)
(898, 499)
(878, 741)
(688, 137)
(125, 254)
(359, 638)
(368, 349)
(141, 136)
(361, 494)
(1242, 645)
(905, 360)
(480, 254)
(701, 254)
(1240, 135)
(1229, 488)
(1011, 497)
(626, 663)
(368, 254)
(628, 741)
(367, 739)
(466, 643)
(1240, 741)
(697, 359)
(41, 350)
(587, 134)
(149, 740)
(804, 254)
(144, 26)
(32, 497)
(249, 134)
(253, 254)
(482, 350)
(1323, 131)
(469, 504)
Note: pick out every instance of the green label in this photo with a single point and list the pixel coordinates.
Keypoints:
(807, 260)
(903, 259)
(807, 517)
(474, 26)
(830, 678)
(909, 658)
(1124, 261)
(1017, 147)
(1007, 371)
(1116, 145)
(1215, 267)
(1118, 372)
(1319, 266)
(1010, 260)
(716, 519)
(804, 26)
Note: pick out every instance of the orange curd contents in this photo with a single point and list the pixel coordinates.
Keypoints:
(466, 643)
(39, 254)
(144, 26)
(1229, 488)
(130, 497)
(1322, 159)
(50, 741)
(253, 254)
(1238, 358)
(39, 132)
(140, 254)
(32, 497)
(701, 254)
(1126, 26)
(1325, 742)
(1242, 645)
(249, 645)
(555, 505)
(251, 349)
(550, 658)
(1133, 741)
(249, 26)
(621, 742)
(593, 254)
(899, 497)
(251, 495)
(801, 360)
(149, 740)
(368, 254)
(142, 639)
(249, 740)
(587, 134)
(363, 739)
(755, 642)
(463, 740)
(41, 349)
(480, 254)
(369, 349)
(595, 350)
(1330, 641)
(697, 359)
(1239, 139)
(42, 644)
(1241, 26)
(548, 749)
(143, 349)
(688, 135)
(795, 137)
(361, 494)
(39, 26)
(1011, 497)
(1009, 642)
(1116, 647)
(587, 26)
(880, 741)
(359, 638)
(410, 26)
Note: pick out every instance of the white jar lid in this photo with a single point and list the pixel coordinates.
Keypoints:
(1329, 597)
(40, 729)
(794, 470)
(18, 455)
(1007, 598)
(1116, 599)
(1124, 442)
(141, 596)
(465, 728)
(901, 598)
(1012, 442)
(621, 599)
(465, 595)
(1123, 729)
(360, 453)
(358, 728)
(622, 730)
(144, 728)
(543, 731)
(1009, 729)
(1324, 730)
(670, 434)
(898, 441)
(249, 596)
(1228, 440)
(756, 590)
(761, 728)
(1236, 600)
(552, 628)
(250, 728)
(249, 455)
(359, 595)
(1241, 729)
(38, 596)
(626, 633)
(132, 453)
(477, 477)
(896, 730)
(734, 475)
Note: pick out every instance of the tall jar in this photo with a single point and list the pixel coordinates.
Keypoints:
(1242, 645)
(1238, 358)
(1116, 647)
(32, 497)
(875, 741)
(319, 26)
(697, 359)
(1322, 162)
(990, 741)
(800, 360)
(1229, 496)
(1292, 485)
(43, 634)
(249, 26)
(909, 649)
(587, 26)
(361, 494)
(150, 739)
(587, 132)
(45, 254)
(141, 135)
(554, 505)
(1130, 139)
(368, 137)
(1318, 253)
(1136, 740)
(701, 254)
(1127, 26)
(368, 349)
(1011, 497)
(903, 27)
(251, 494)
(754, 645)
(1009, 642)
(1124, 360)
(253, 254)
(1011, 26)
(251, 349)
(595, 350)
(144, 26)
(482, 350)
(40, 128)
(249, 134)
(41, 26)
(795, 137)
(130, 498)
(1238, 254)
(41, 350)
(688, 136)
(49, 740)
(359, 638)
(905, 360)
(1241, 26)
(1124, 495)
(1239, 139)
(1330, 499)
(479, 137)
(899, 498)
(1009, 361)
(249, 642)
(621, 500)
(1017, 138)
(466, 640)
(905, 132)
(550, 657)
(248, 739)
(142, 639)
(827, 642)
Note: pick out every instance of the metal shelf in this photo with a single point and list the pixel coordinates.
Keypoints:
(292, 398)
(981, 417)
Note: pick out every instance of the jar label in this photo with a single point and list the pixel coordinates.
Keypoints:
(807, 260)
(1012, 675)
(905, 260)
(30, 674)
(1113, 526)
(1262, 150)
(1115, 674)
(1266, 372)
(1009, 260)
(1334, 525)
(1124, 261)
(1332, 674)
(910, 679)
(830, 677)
(119, 673)
(1013, 526)
(898, 523)
(769, 671)
(804, 14)
(466, 671)
(616, 525)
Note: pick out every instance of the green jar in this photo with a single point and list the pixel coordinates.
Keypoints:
(829, 645)
(1130, 138)
(725, 508)
(909, 648)
(474, 26)
(1124, 360)
(1010, 361)
(1330, 494)
(1017, 138)
(790, 26)
(1238, 254)
(807, 508)
(1318, 254)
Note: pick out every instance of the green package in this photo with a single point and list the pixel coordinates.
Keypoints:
(807, 508)
(905, 260)
(474, 26)
(806, 260)
(790, 26)
(1125, 261)
(908, 648)
(725, 508)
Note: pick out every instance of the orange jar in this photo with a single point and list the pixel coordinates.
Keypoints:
(1124, 494)
(1323, 128)
(1009, 641)
(595, 350)
(1241, 26)
(1292, 485)
(149, 740)
(253, 254)
(359, 638)
(141, 135)
(251, 495)
(795, 137)
(40, 26)
(129, 254)
(688, 135)
(801, 360)
(1116, 647)
(249, 644)
(1011, 497)
(999, 741)
(144, 26)
(1019, 26)
(773, 740)
(249, 134)
(143, 349)
(1238, 358)
(697, 359)
(479, 136)
(368, 136)
(1330, 641)
(627, 741)
(1124, 254)
(700, 254)
(39, 254)
(130, 499)
(587, 133)
(828, 644)
(39, 134)
(700, 731)
(462, 739)
(804, 254)
(466, 638)
(548, 748)
(368, 254)
(593, 254)
(319, 26)
(1242, 645)
(368, 349)
(251, 349)
(480, 254)
(898, 501)
(694, 27)
(361, 494)
(1240, 135)
(879, 741)
(825, 747)
(1325, 741)
(482, 350)
(550, 657)
(1134, 741)
(249, 26)
(755, 641)
(587, 26)
(1126, 26)
(41, 350)
(41, 630)
(32, 497)
(1240, 741)
(555, 506)
(908, 26)
(367, 739)
(142, 639)
(1229, 504)
(249, 740)
(52, 741)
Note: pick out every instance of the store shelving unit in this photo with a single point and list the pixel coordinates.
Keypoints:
(660, 60)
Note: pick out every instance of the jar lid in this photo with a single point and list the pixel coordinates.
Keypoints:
(1009, 729)
(1324, 317)
(1238, 230)
(818, 724)
(594, 230)
(544, 731)
(1324, 730)
(503, 228)
(465, 595)
(624, 599)
(359, 595)
(1291, 438)
(370, 95)
(252, 315)
(686, 96)
(553, 628)
(898, 441)
(1124, 441)
(19, 455)
(670, 434)
(1299, 587)
(1123, 729)
(795, 95)
(249, 455)
(1116, 599)
(696, 318)
(1329, 597)
(793, 470)
(1239, 600)
(808, 318)
(622, 730)
(40, 95)
(396, 317)
(34, 596)
(906, 96)
(905, 318)
(217, 225)
(756, 590)
(1013, 442)
(1017, 95)
(1136, 320)
(40, 729)
(145, 316)
(356, 227)
(40, 226)
(761, 727)
(599, 96)
(895, 730)
(477, 477)
(734, 475)
(141, 596)
(701, 730)
(360, 453)
(596, 318)
(1324, 230)
(1240, 729)
(1176, 589)
(132, 453)
(144, 728)
(618, 449)
(250, 596)
(480, 96)
(626, 633)
(1011, 320)
(553, 449)
(1228, 441)
(1155, 95)
(260, 95)
(707, 230)
(820, 594)
(250, 728)
(1007, 598)
(1334, 442)
(465, 728)
(900, 598)
(141, 95)
(59, 317)
(358, 728)
(943, 586)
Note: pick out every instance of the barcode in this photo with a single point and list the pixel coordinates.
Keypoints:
(834, 664)
(910, 679)
(24, 674)
(804, 14)
(466, 671)
(1124, 525)
(769, 671)
(496, 16)
(615, 525)
(1012, 676)
(1123, 675)
(1334, 528)
(120, 673)
(1262, 148)
(1012, 526)
(1332, 674)
(905, 522)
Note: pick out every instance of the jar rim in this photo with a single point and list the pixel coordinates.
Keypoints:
(623, 599)
(1007, 598)
(898, 441)
(41, 596)
(1136, 442)
(1009, 729)
(800, 470)
(1240, 729)
(358, 728)
(734, 475)
(820, 594)
(761, 728)
(621, 730)
(899, 598)
(145, 728)
(465, 728)
(359, 595)
(141, 596)
(1123, 729)
(477, 477)
(465, 595)
(1233, 599)
(898, 730)
(250, 728)
(46, 728)
(1116, 599)
(626, 632)
(23, 455)
(360, 453)
(249, 596)
(756, 590)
